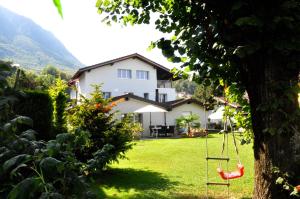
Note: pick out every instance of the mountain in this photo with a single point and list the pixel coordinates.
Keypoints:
(26, 43)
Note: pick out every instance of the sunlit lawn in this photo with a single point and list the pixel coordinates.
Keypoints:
(174, 168)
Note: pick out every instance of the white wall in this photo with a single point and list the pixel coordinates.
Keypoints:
(158, 118)
(193, 108)
(131, 105)
(171, 93)
(108, 77)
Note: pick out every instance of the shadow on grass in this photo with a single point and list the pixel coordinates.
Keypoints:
(145, 183)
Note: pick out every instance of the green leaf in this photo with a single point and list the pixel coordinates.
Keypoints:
(29, 134)
(16, 161)
(26, 189)
(249, 21)
(58, 6)
(23, 120)
(51, 166)
(279, 180)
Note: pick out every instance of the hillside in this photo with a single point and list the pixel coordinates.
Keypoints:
(26, 43)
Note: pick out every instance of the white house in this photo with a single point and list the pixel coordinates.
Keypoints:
(135, 81)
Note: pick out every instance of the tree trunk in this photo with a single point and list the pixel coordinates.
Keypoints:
(274, 108)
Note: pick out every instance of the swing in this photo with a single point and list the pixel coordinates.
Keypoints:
(240, 167)
(232, 175)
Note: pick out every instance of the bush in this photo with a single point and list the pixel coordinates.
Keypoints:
(38, 169)
(110, 138)
(38, 106)
(199, 132)
(137, 130)
(59, 99)
(188, 122)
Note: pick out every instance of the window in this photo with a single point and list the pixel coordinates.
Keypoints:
(124, 73)
(146, 95)
(106, 95)
(142, 74)
(162, 98)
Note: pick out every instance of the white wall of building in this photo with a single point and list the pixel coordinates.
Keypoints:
(108, 77)
(184, 109)
(158, 118)
(132, 105)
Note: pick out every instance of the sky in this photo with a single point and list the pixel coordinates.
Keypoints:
(84, 35)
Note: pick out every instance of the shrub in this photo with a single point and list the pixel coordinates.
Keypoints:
(38, 106)
(59, 99)
(188, 122)
(137, 129)
(110, 138)
(199, 132)
(39, 169)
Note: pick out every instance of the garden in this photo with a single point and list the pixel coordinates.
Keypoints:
(175, 168)
(51, 147)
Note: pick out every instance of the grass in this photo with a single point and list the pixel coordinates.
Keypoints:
(175, 168)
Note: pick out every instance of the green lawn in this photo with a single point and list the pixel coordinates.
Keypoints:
(174, 168)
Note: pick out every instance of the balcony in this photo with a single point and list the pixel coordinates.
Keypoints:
(164, 84)
(170, 93)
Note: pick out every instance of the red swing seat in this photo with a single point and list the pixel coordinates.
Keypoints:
(298, 188)
(232, 175)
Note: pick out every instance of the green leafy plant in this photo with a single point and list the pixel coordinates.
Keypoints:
(32, 168)
(110, 138)
(188, 121)
(59, 100)
(38, 106)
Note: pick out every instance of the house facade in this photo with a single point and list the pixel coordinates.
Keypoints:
(135, 81)
(133, 74)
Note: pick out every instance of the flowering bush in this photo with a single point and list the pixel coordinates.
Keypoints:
(110, 138)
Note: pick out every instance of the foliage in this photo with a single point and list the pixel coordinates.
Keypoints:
(110, 138)
(199, 91)
(31, 80)
(8, 95)
(137, 129)
(185, 85)
(32, 168)
(59, 99)
(284, 181)
(205, 95)
(38, 106)
(242, 116)
(59, 7)
(188, 121)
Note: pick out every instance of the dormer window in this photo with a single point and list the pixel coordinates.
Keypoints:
(124, 73)
(142, 74)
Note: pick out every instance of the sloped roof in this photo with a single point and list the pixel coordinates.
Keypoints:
(167, 105)
(161, 68)
(132, 96)
(180, 102)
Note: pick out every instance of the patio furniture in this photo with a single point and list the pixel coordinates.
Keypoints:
(163, 131)
(151, 130)
(155, 130)
(170, 130)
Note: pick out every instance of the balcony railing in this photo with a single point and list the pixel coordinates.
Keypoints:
(164, 84)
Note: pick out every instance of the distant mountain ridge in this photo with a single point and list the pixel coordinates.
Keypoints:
(26, 43)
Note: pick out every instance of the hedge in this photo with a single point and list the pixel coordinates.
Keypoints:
(38, 106)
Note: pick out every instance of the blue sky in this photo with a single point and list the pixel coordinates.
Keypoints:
(83, 34)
